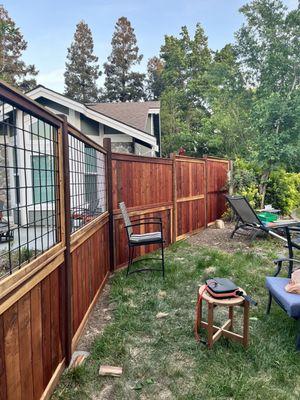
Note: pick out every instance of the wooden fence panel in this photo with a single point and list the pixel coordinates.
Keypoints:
(145, 184)
(32, 340)
(217, 175)
(190, 195)
(90, 269)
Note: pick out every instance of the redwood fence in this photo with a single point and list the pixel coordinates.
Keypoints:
(46, 298)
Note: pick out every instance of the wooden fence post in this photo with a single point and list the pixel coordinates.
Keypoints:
(109, 182)
(174, 184)
(66, 214)
(206, 190)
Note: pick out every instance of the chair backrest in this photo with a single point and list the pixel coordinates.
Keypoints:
(291, 244)
(126, 217)
(243, 210)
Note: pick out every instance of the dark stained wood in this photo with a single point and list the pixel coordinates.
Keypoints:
(67, 289)
(110, 194)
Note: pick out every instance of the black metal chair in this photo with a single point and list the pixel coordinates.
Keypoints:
(143, 239)
(289, 302)
(248, 219)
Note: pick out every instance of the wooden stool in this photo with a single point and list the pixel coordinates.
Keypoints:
(215, 332)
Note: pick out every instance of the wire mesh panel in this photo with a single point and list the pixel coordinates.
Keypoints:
(29, 193)
(87, 182)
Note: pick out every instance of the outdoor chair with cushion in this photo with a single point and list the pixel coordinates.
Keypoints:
(289, 302)
(143, 239)
(248, 219)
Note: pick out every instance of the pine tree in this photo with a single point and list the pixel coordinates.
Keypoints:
(121, 83)
(82, 70)
(13, 69)
(155, 84)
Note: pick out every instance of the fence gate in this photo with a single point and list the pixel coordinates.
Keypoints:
(189, 195)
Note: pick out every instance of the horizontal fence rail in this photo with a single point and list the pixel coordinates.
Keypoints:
(61, 231)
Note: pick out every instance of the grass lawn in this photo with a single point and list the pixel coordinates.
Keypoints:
(160, 357)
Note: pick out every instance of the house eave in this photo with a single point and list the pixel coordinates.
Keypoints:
(41, 91)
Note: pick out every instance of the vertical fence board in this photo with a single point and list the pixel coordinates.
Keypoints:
(12, 356)
(3, 393)
(25, 347)
(36, 339)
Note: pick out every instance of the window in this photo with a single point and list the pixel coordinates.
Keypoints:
(41, 129)
(91, 177)
(43, 179)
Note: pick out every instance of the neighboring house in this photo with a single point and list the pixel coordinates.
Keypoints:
(133, 127)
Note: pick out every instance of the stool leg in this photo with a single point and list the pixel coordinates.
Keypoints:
(230, 316)
(210, 322)
(246, 324)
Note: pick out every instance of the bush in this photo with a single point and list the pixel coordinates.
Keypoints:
(245, 181)
(283, 190)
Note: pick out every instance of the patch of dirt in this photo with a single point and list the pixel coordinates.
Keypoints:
(98, 319)
(220, 239)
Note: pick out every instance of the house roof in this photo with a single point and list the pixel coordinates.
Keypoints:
(88, 111)
(130, 113)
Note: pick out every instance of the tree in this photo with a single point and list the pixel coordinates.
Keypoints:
(13, 69)
(82, 70)
(183, 102)
(155, 84)
(268, 46)
(226, 129)
(121, 83)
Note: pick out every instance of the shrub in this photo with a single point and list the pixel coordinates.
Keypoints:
(283, 190)
(245, 180)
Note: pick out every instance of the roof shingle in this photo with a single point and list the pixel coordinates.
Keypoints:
(131, 113)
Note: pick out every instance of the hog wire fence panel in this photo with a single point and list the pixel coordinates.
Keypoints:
(29, 193)
(87, 166)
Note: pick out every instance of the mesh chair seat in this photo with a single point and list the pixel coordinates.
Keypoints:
(290, 302)
(146, 237)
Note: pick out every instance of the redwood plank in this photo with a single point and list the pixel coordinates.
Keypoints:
(12, 356)
(3, 392)
(46, 330)
(36, 339)
(25, 347)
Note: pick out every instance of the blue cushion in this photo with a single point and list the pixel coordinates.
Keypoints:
(289, 301)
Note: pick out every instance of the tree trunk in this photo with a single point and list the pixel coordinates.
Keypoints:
(263, 187)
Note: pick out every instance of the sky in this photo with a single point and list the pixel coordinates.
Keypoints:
(48, 26)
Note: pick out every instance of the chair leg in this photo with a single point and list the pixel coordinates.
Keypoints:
(163, 260)
(236, 228)
(130, 258)
(269, 303)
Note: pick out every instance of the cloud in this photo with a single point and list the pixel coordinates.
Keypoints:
(52, 79)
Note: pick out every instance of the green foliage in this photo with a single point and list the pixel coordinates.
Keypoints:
(245, 181)
(82, 70)
(284, 190)
(268, 48)
(121, 83)
(155, 84)
(13, 69)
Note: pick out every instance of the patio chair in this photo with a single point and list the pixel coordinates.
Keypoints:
(248, 219)
(289, 302)
(142, 239)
